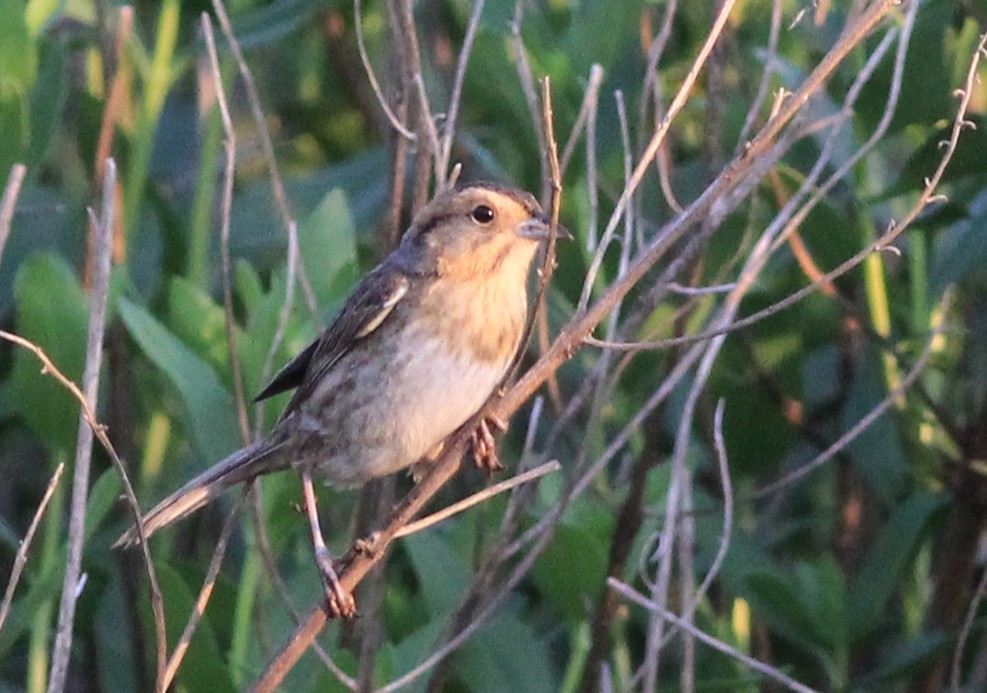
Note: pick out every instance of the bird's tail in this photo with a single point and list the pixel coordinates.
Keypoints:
(245, 464)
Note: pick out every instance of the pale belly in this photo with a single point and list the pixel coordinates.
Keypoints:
(379, 417)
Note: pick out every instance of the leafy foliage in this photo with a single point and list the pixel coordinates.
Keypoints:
(857, 577)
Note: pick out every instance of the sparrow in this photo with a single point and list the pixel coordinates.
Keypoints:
(416, 351)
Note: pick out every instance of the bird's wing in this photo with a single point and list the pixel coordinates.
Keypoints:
(365, 310)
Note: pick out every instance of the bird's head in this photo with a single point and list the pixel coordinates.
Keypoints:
(477, 230)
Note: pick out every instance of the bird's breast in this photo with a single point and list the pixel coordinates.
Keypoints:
(429, 368)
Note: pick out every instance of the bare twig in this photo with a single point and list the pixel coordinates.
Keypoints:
(224, 233)
(587, 114)
(10, 193)
(530, 98)
(157, 605)
(742, 172)
(772, 673)
(20, 560)
(770, 56)
(444, 152)
(962, 638)
(476, 498)
(295, 271)
(721, 552)
(101, 261)
(396, 123)
(199, 609)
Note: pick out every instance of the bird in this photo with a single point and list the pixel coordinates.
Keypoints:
(416, 351)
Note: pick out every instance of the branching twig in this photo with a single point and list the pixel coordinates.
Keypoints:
(582, 324)
(719, 645)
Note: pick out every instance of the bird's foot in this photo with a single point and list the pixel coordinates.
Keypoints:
(339, 601)
(366, 546)
(483, 443)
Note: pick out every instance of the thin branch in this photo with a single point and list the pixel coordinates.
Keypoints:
(372, 77)
(772, 673)
(530, 98)
(100, 261)
(864, 423)
(295, 266)
(427, 120)
(661, 131)
(769, 68)
(964, 636)
(444, 152)
(794, 218)
(721, 552)
(10, 193)
(199, 608)
(20, 560)
(476, 498)
(224, 234)
(157, 604)
(585, 118)
(738, 172)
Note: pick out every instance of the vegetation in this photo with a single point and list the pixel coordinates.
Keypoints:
(761, 364)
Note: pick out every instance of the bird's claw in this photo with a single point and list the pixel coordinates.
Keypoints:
(365, 546)
(484, 445)
(339, 601)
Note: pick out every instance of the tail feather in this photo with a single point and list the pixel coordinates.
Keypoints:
(241, 466)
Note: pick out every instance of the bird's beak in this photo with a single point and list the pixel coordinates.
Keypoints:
(537, 229)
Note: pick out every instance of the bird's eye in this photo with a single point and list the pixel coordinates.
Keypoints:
(482, 214)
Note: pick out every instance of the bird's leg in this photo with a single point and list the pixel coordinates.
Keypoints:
(340, 601)
(484, 445)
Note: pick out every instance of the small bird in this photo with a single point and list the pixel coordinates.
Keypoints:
(416, 351)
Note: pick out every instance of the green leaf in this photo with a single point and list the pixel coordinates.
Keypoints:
(102, 497)
(823, 592)
(204, 660)
(51, 312)
(208, 408)
(247, 285)
(570, 571)
(258, 233)
(327, 242)
(961, 251)
(113, 645)
(443, 573)
(778, 600)
(877, 453)
(18, 51)
(198, 323)
(15, 123)
(887, 559)
(267, 24)
(507, 655)
(262, 324)
(47, 100)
